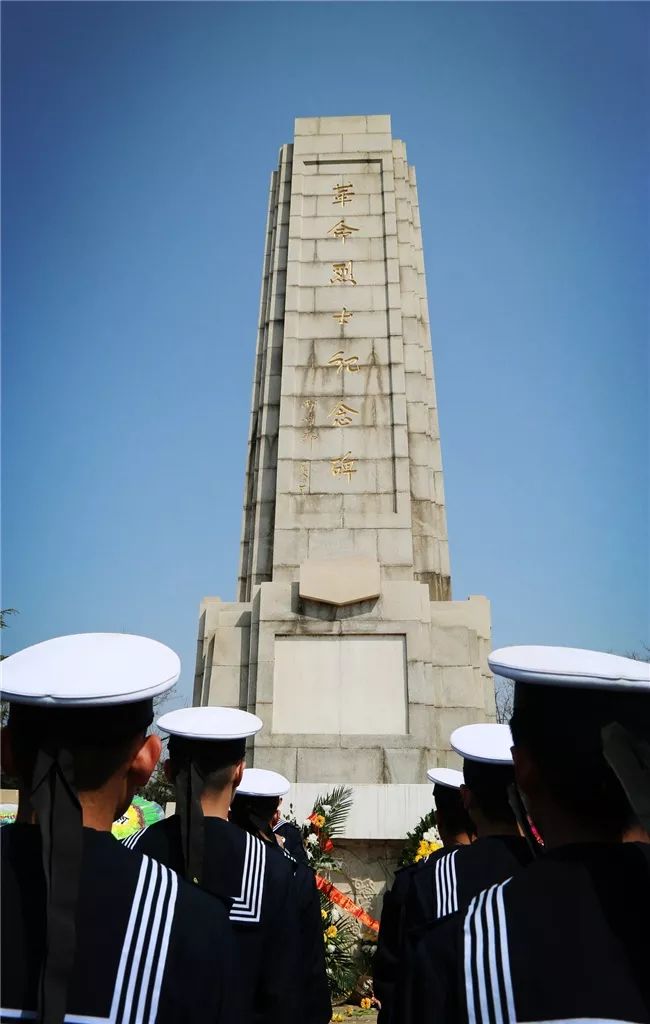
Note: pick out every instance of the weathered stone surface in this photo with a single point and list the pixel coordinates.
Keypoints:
(360, 763)
(343, 686)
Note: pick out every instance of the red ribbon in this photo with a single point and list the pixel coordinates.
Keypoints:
(343, 901)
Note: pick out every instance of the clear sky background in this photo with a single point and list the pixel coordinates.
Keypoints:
(138, 140)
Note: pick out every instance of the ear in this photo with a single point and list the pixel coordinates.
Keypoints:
(145, 760)
(7, 752)
(238, 773)
(526, 773)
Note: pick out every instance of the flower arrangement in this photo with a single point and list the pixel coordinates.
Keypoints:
(323, 825)
(422, 841)
(318, 831)
(338, 936)
(347, 961)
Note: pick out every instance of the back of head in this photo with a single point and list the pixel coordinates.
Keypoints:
(452, 819)
(214, 760)
(254, 814)
(561, 728)
(489, 788)
(98, 740)
(487, 772)
(207, 747)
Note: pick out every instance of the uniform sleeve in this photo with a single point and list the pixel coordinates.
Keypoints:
(316, 1005)
(294, 844)
(431, 972)
(277, 995)
(387, 964)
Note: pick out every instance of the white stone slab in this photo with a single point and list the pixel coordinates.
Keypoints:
(353, 685)
(378, 812)
(339, 582)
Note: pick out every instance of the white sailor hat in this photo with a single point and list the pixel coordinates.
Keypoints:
(572, 667)
(483, 742)
(260, 782)
(210, 723)
(89, 670)
(449, 777)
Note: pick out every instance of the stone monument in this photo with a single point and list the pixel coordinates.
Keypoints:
(345, 639)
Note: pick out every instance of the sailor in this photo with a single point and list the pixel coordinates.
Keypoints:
(89, 931)
(455, 828)
(254, 809)
(450, 879)
(207, 749)
(567, 939)
(290, 836)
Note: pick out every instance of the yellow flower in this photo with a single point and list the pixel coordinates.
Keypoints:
(337, 1017)
(366, 1003)
(332, 931)
(319, 820)
(323, 914)
(349, 1011)
(425, 849)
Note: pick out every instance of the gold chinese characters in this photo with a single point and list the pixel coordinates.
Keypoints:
(339, 360)
(343, 194)
(304, 477)
(341, 230)
(342, 273)
(310, 433)
(343, 317)
(343, 466)
(341, 415)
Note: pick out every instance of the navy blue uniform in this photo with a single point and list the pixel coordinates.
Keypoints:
(141, 938)
(315, 1000)
(426, 893)
(565, 940)
(450, 879)
(257, 888)
(390, 944)
(292, 840)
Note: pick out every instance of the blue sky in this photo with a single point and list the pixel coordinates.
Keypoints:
(138, 140)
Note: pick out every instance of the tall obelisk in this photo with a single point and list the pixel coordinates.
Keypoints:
(345, 639)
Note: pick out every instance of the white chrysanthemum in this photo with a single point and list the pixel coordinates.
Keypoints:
(326, 808)
(431, 835)
(312, 839)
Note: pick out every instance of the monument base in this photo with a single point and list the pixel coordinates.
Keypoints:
(367, 694)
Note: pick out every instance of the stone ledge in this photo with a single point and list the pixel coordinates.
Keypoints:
(378, 811)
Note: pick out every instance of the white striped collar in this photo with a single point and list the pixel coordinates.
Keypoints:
(485, 950)
(131, 841)
(138, 982)
(247, 907)
(446, 885)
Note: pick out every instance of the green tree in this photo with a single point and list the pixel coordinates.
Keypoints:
(158, 788)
